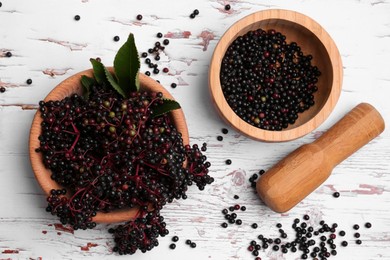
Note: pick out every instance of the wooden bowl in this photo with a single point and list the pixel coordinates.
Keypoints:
(312, 39)
(72, 85)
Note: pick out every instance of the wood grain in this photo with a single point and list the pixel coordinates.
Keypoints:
(72, 85)
(361, 31)
(312, 39)
(305, 169)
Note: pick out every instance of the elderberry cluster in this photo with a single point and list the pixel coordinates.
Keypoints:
(111, 153)
(267, 81)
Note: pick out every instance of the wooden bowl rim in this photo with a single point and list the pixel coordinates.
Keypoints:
(289, 134)
(42, 174)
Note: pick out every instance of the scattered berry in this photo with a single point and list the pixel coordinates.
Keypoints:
(29, 81)
(227, 7)
(116, 38)
(139, 17)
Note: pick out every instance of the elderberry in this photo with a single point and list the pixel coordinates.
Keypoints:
(109, 153)
(267, 81)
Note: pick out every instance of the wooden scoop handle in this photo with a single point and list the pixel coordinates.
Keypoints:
(306, 168)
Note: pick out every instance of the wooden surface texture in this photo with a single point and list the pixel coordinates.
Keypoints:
(48, 46)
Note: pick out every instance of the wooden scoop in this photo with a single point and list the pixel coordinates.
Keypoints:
(301, 172)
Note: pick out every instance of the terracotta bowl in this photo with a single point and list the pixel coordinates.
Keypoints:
(72, 85)
(312, 39)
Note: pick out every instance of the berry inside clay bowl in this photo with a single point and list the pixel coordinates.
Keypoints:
(71, 86)
(275, 75)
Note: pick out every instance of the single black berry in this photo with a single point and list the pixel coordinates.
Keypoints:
(193, 244)
(144, 55)
(336, 194)
(236, 197)
(219, 138)
(196, 12)
(77, 17)
(227, 7)
(29, 81)
(173, 85)
(175, 238)
(192, 16)
(368, 225)
(238, 221)
(188, 242)
(356, 227)
(159, 35)
(139, 17)
(344, 243)
(254, 225)
(166, 42)
(2, 89)
(224, 225)
(358, 241)
(225, 131)
(228, 161)
(342, 233)
(243, 208)
(8, 54)
(172, 246)
(116, 38)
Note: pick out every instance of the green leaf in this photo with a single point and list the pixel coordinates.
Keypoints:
(110, 78)
(126, 66)
(98, 71)
(167, 106)
(87, 84)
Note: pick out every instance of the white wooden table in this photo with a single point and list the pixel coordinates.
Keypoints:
(48, 45)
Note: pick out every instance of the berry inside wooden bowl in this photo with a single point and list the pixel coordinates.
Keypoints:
(70, 86)
(313, 40)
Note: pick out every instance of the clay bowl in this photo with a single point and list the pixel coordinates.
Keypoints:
(312, 39)
(72, 85)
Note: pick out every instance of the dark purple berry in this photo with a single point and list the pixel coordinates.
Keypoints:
(139, 17)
